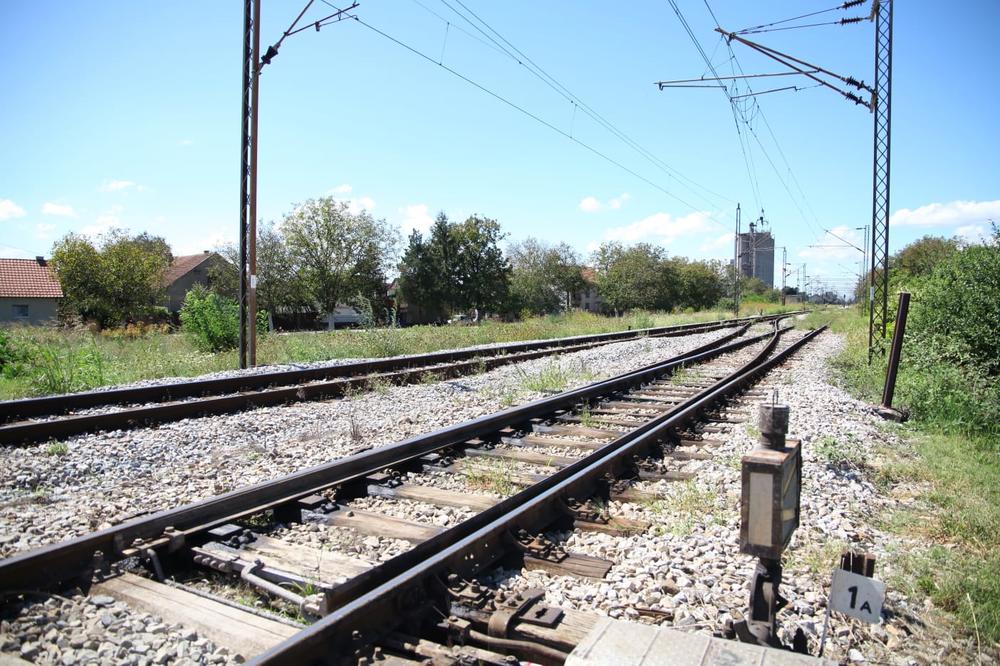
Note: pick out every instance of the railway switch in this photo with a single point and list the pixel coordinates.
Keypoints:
(772, 480)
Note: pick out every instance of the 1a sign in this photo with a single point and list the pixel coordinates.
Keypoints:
(857, 595)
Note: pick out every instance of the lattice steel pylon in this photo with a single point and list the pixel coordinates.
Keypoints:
(882, 112)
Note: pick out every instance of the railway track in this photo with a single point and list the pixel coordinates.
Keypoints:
(40, 419)
(514, 475)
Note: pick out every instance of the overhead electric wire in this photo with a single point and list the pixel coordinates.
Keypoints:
(774, 90)
(536, 70)
(781, 152)
(788, 167)
(531, 115)
(846, 5)
(850, 21)
(459, 28)
(746, 159)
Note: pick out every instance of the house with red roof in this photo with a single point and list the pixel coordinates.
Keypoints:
(186, 271)
(29, 292)
(588, 298)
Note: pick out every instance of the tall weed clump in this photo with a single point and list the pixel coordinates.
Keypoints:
(14, 357)
(213, 321)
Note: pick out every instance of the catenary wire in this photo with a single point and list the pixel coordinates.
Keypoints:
(531, 115)
(525, 61)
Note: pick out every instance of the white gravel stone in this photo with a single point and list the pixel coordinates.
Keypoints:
(110, 477)
(688, 567)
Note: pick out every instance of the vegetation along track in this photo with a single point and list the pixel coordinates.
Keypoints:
(39, 419)
(564, 455)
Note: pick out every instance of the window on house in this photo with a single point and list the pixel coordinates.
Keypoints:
(20, 311)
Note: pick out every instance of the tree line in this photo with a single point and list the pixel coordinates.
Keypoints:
(322, 254)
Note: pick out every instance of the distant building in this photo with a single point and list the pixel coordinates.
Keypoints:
(756, 252)
(187, 271)
(29, 292)
(588, 298)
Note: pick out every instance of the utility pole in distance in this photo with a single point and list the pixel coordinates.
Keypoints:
(252, 64)
(784, 271)
(736, 266)
(248, 185)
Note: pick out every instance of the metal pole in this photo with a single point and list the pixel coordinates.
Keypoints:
(784, 263)
(736, 266)
(252, 221)
(248, 60)
(882, 112)
(896, 351)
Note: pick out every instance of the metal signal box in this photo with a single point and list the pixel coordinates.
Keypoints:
(772, 479)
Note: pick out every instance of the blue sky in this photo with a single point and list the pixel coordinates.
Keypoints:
(127, 114)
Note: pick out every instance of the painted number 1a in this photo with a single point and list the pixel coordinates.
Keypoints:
(854, 599)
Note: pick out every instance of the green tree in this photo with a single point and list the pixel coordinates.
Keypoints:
(427, 268)
(339, 254)
(919, 258)
(117, 280)
(482, 271)
(542, 276)
(279, 281)
(701, 283)
(635, 277)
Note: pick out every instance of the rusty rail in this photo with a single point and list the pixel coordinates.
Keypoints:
(404, 586)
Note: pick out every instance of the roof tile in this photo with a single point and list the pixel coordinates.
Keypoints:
(27, 278)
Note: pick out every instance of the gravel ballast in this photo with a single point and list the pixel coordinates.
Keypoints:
(51, 493)
(686, 571)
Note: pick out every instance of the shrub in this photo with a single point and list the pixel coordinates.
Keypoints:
(213, 321)
(956, 318)
(14, 357)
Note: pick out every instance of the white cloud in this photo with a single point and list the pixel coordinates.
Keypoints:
(951, 213)
(59, 210)
(8, 252)
(355, 206)
(104, 222)
(185, 142)
(661, 227)
(207, 241)
(416, 217)
(9, 209)
(832, 248)
(593, 204)
(973, 233)
(723, 241)
(44, 231)
(120, 186)
(619, 201)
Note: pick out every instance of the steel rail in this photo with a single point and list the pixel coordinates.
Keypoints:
(59, 404)
(401, 586)
(73, 560)
(27, 432)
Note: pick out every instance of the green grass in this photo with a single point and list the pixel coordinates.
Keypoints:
(839, 453)
(949, 463)
(491, 474)
(57, 448)
(686, 505)
(60, 360)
